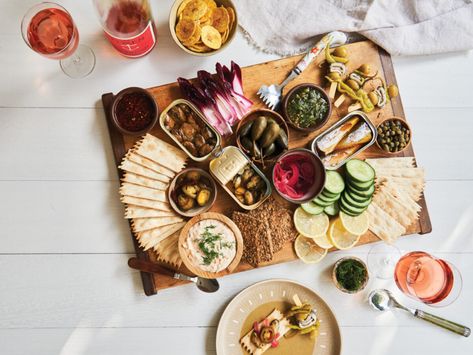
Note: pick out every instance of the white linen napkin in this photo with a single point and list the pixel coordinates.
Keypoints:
(402, 27)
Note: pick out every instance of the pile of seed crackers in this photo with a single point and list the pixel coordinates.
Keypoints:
(148, 169)
(265, 231)
(399, 186)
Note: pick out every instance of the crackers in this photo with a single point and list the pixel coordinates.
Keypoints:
(399, 185)
(149, 167)
(202, 26)
(265, 231)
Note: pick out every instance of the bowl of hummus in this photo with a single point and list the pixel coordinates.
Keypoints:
(210, 245)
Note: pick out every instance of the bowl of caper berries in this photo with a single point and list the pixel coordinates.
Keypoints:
(394, 135)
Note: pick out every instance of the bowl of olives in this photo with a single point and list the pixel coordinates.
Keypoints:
(394, 135)
(191, 192)
(262, 135)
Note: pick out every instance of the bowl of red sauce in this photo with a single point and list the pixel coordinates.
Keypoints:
(134, 111)
(298, 175)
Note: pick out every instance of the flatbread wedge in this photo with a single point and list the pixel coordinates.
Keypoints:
(136, 158)
(132, 211)
(138, 169)
(151, 238)
(143, 224)
(144, 181)
(383, 225)
(156, 205)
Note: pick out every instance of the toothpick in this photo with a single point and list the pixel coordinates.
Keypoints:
(340, 100)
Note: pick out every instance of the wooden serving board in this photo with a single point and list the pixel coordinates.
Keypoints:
(253, 77)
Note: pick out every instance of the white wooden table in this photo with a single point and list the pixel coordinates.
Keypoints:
(65, 287)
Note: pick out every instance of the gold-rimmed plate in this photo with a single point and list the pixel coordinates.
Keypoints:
(264, 296)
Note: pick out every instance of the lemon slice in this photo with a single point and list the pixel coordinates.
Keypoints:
(356, 225)
(310, 225)
(323, 241)
(340, 237)
(308, 251)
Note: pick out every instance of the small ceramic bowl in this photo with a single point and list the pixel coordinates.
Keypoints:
(123, 95)
(334, 275)
(293, 91)
(404, 124)
(173, 22)
(251, 116)
(319, 179)
(172, 193)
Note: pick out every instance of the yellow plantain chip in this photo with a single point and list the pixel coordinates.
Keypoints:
(231, 15)
(225, 35)
(200, 48)
(211, 37)
(194, 38)
(185, 29)
(182, 6)
(211, 4)
(220, 19)
(194, 10)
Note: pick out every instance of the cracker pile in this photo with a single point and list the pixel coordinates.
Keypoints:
(399, 185)
(148, 169)
(202, 26)
(265, 231)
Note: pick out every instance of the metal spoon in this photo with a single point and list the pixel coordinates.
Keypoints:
(206, 285)
(383, 300)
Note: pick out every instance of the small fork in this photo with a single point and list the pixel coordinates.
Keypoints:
(271, 95)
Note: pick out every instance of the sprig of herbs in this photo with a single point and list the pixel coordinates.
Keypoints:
(208, 244)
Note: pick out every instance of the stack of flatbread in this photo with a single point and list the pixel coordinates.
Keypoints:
(148, 169)
(399, 185)
(265, 231)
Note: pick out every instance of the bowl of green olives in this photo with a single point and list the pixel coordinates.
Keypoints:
(191, 192)
(262, 135)
(394, 135)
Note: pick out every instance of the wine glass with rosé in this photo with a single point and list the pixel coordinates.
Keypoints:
(428, 279)
(49, 30)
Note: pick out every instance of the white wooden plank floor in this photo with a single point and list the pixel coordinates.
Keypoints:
(65, 287)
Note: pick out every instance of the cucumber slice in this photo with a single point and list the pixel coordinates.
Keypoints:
(332, 210)
(350, 210)
(321, 203)
(367, 193)
(312, 208)
(334, 182)
(359, 170)
(328, 194)
(362, 186)
(328, 199)
(354, 196)
(353, 203)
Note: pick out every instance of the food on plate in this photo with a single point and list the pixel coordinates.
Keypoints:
(202, 26)
(190, 131)
(300, 319)
(337, 60)
(148, 167)
(394, 135)
(265, 333)
(346, 138)
(340, 237)
(308, 250)
(399, 185)
(360, 187)
(265, 231)
(193, 188)
(298, 175)
(327, 200)
(135, 110)
(262, 137)
(310, 225)
(307, 107)
(350, 274)
(210, 245)
(245, 183)
(219, 97)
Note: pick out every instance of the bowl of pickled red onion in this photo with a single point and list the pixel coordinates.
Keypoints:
(298, 175)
